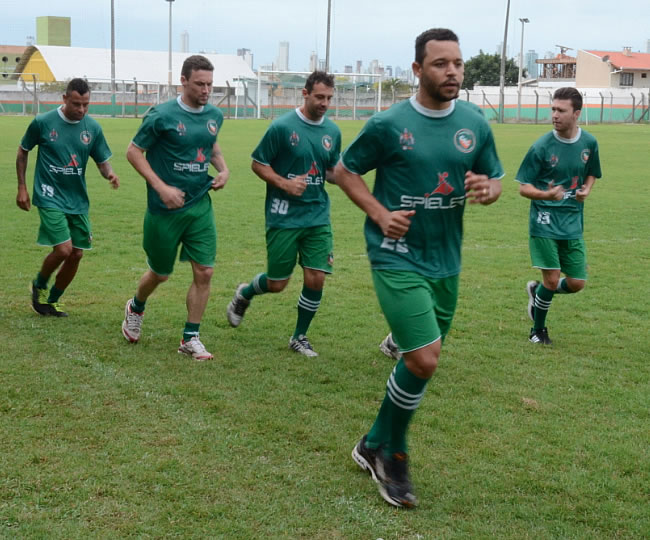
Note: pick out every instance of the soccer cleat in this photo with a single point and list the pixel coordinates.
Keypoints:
(132, 323)
(531, 287)
(195, 349)
(39, 301)
(237, 306)
(540, 336)
(390, 348)
(56, 310)
(390, 474)
(301, 345)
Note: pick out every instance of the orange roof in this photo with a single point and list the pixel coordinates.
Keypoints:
(18, 49)
(620, 60)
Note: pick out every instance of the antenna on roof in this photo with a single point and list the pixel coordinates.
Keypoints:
(605, 58)
(564, 49)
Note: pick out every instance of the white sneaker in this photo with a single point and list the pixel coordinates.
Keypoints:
(195, 349)
(390, 348)
(531, 288)
(132, 323)
(237, 306)
(301, 345)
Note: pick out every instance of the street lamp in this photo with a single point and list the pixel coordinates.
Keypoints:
(169, 72)
(521, 68)
(502, 71)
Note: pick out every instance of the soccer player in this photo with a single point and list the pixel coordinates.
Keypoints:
(172, 150)
(557, 175)
(295, 157)
(66, 138)
(431, 153)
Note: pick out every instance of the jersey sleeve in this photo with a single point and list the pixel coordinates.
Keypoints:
(488, 161)
(32, 135)
(529, 169)
(100, 151)
(149, 130)
(267, 149)
(366, 150)
(336, 152)
(593, 165)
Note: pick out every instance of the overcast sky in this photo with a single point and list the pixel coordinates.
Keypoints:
(361, 29)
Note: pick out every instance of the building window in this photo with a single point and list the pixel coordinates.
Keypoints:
(644, 75)
(627, 79)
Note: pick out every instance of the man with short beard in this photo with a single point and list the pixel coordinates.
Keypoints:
(431, 154)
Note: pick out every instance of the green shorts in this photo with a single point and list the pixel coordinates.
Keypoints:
(195, 229)
(419, 310)
(312, 246)
(568, 256)
(58, 227)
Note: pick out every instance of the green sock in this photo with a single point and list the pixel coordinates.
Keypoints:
(307, 306)
(563, 287)
(404, 391)
(55, 294)
(258, 285)
(40, 282)
(137, 306)
(543, 299)
(191, 330)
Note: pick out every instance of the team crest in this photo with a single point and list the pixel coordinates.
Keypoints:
(294, 139)
(212, 126)
(53, 135)
(554, 160)
(584, 155)
(406, 140)
(85, 137)
(330, 259)
(465, 140)
(181, 129)
(327, 142)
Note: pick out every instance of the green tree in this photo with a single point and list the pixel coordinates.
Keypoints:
(484, 69)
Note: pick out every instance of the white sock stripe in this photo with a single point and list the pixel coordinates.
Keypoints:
(543, 304)
(400, 398)
(191, 333)
(307, 304)
(256, 284)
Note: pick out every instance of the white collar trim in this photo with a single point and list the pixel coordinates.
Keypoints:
(64, 117)
(187, 108)
(432, 113)
(307, 120)
(567, 141)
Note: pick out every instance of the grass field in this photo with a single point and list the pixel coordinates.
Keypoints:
(102, 439)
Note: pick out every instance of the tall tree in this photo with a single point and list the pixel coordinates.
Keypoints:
(483, 69)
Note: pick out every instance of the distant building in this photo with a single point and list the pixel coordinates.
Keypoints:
(53, 31)
(247, 55)
(500, 49)
(530, 64)
(347, 69)
(282, 61)
(185, 42)
(613, 69)
(359, 64)
(313, 61)
(322, 66)
(10, 56)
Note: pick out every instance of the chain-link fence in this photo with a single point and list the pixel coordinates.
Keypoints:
(356, 96)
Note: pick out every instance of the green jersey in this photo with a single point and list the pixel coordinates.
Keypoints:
(566, 163)
(64, 147)
(421, 157)
(292, 146)
(178, 141)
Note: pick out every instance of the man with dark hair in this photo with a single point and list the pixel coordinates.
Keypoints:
(66, 139)
(431, 154)
(172, 151)
(295, 157)
(557, 175)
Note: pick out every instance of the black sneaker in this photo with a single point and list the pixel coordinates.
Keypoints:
(391, 475)
(397, 488)
(56, 310)
(39, 300)
(540, 336)
(531, 287)
(237, 306)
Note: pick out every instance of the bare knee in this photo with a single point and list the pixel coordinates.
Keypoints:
(276, 285)
(203, 274)
(64, 251)
(75, 255)
(576, 285)
(423, 362)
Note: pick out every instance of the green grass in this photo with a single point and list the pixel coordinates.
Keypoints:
(103, 439)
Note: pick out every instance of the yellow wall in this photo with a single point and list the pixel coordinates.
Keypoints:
(36, 64)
